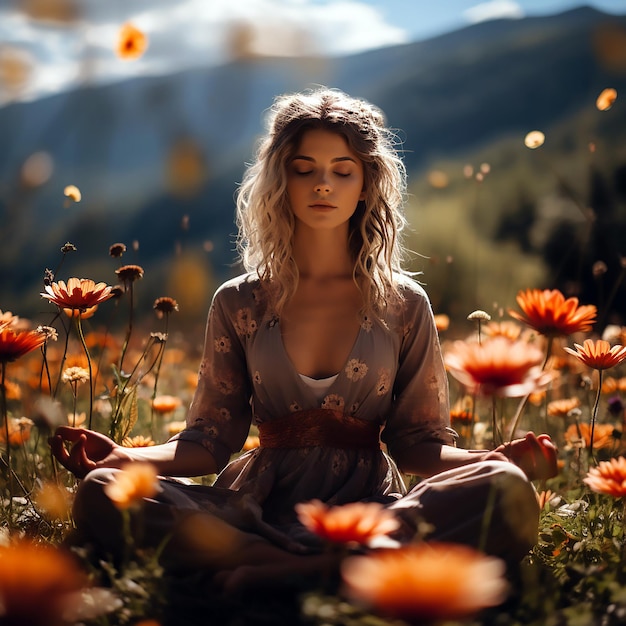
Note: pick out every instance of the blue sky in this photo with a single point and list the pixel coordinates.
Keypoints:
(186, 33)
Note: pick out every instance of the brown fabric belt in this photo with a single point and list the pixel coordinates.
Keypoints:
(319, 428)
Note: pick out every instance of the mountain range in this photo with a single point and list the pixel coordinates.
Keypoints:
(158, 158)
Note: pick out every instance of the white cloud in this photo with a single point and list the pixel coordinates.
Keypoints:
(495, 9)
(186, 33)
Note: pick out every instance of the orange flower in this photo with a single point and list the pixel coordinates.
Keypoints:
(14, 344)
(356, 522)
(442, 322)
(562, 408)
(251, 442)
(544, 498)
(462, 411)
(137, 480)
(79, 293)
(84, 315)
(598, 355)
(131, 43)
(37, 583)
(508, 329)
(608, 477)
(497, 366)
(550, 314)
(580, 435)
(426, 581)
(165, 403)
(606, 99)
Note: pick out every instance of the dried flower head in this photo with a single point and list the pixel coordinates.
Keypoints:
(549, 313)
(14, 344)
(50, 332)
(426, 581)
(353, 523)
(68, 247)
(73, 193)
(165, 306)
(78, 293)
(159, 337)
(482, 316)
(609, 477)
(606, 99)
(117, 250)
(128, 274)
(136, 481)
(534, 139)
(599, 355)
(75, 375)
(497, 367)
(131, 43)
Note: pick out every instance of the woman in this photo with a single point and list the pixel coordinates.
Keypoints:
(330, 349)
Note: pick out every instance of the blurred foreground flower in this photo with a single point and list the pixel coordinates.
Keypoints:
(14, 344)
(550, 314)
(37, 584)
(497, 367)
(131, 43)
(72, 192)
(137, 480)
(609, 477)
(17, 430)
(353, 523)
(534, 139)
(78, 293)
(426, 581)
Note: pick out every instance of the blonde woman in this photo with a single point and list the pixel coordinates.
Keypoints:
(330, 349)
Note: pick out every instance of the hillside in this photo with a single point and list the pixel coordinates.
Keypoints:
(452, 96)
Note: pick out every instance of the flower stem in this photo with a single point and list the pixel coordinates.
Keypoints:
(79, 329)
(594, 414)
(5, 417)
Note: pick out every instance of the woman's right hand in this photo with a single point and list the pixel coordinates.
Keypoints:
(88, 450)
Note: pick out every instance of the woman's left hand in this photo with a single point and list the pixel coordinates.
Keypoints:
(535, 455)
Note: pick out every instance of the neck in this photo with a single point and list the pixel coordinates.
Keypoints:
(322, 254)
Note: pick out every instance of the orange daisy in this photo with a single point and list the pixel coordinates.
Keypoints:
(577, 435)
(550, 314)
(497, 366)
(14, 344)
(426, 581)
(166, 403)
(599, 355)
(563, 407)
(609, 477)
(356, 522)
(131, 42)
(19, 431)
(78, 293)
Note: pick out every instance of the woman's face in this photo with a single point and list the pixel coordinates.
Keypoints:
(324, 181)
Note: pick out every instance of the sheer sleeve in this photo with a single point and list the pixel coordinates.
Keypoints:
(420, 409)
(220, 413)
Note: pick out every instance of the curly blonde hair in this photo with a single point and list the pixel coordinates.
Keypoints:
(264, 217)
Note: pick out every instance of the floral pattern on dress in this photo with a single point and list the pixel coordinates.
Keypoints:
(334, 402)
(356, 369)
(256, 377)
(222, 344)
(383, 385)
(366, 324)
(294, 406)
(245, 325)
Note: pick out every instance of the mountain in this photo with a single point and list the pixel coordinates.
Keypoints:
(449, 96)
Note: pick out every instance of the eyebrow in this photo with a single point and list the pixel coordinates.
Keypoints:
(302, 157)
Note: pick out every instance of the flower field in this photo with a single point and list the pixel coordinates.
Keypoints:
(539, 367)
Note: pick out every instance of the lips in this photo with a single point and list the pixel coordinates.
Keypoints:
(322, 205)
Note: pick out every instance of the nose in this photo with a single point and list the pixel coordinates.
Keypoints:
(322, 188)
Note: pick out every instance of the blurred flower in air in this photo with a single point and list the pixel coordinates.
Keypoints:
(425, 581)
(497, 366)
(550, 314)
(606, 99)
(72, 192)
(608, 477)
(353, 523)
(131, 42)
(534, 139)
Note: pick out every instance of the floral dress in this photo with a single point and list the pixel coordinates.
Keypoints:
(393, 377)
